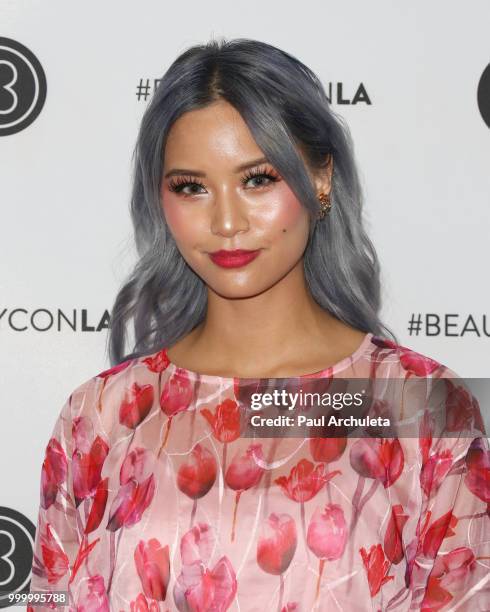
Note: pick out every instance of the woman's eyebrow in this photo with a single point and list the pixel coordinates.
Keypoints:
(240, 168)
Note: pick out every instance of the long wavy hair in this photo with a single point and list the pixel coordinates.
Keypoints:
(286, 108)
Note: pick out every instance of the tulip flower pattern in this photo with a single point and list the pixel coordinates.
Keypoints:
(152, 498)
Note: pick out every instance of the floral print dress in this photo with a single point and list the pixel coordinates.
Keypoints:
(151, 500)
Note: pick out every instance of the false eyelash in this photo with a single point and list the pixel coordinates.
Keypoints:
(181, 182)
(262, 171)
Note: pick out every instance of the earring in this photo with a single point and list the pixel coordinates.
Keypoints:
(325, 204)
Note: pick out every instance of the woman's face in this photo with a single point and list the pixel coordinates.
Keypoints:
(212, 202)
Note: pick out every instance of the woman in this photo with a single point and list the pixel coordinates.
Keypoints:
(255, 273)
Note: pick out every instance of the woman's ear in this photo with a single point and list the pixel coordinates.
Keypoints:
(323, 177)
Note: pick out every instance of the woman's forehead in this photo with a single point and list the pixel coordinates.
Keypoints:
(214, 134)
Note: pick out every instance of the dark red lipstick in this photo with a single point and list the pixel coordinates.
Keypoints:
(233, 259)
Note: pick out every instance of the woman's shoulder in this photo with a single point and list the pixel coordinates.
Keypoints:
(124, 383)
(409, 360)
(455, 397)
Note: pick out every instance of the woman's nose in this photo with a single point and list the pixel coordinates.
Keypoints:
(228, 214)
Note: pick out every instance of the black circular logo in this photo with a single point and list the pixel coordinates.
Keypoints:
(17, 535)
(22, 87)
(483, 95)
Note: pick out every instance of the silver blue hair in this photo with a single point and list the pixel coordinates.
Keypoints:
(286, 108)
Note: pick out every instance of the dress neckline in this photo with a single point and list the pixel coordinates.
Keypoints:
(328, 371)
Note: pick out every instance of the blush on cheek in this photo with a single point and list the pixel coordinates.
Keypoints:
(288, 209)
(175, 215)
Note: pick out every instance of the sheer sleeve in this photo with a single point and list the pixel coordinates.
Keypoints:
(57, 536)
(449, 562)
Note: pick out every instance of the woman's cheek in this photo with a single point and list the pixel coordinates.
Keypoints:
(286, 211)
(178, 218)
(171, 211)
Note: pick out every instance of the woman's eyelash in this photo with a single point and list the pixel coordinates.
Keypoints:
(180, 182)
(262, 172)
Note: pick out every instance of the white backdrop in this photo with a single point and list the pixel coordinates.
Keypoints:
(421, 143)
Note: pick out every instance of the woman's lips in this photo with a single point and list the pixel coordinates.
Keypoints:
(233, 259)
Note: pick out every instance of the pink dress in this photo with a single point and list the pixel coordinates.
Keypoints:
(152, 500)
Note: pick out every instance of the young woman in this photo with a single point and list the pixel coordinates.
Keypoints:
(255, 273)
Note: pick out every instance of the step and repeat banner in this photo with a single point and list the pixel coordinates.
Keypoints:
(412, 83)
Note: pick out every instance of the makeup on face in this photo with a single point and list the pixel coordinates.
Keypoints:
(233, 259)
(225, 202)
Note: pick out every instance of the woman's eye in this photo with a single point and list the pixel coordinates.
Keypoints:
(192, 187)
(185, 187)
(261, 180)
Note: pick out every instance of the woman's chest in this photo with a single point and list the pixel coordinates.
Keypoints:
(201, 524)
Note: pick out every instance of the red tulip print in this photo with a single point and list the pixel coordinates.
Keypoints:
(106, 374)
(451, 573)
(414, 364)
(376, 567)
(276, 547)
(93, 596)
(435, 597)
(53, 472)
(98, 506)
(137, 487)
(277, 544)
(452, 569)
(425, 435)
(135, 405)
(137, 466)
(157, 363)
(82, 555)
(198, 587)
(383, 342)
(245, 470)
(197, 475)
(303, 483)
(327, 449)
(327, 532)
(197, 544)
(434, 471)
(417, 364)
(153, 566)
(55, 560)
(327, 536)
(393, 543)
(82, 433)
(304, 480)
(177, 396)
(140, 604)
(136, 490)
(115, 369)
(385, 348)
(87, 469)
(225, 423)
(442, 528)
(422, 506)
(462, 409)
(378, 458)
(88, 459)
(477, 478)
(243, 473)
